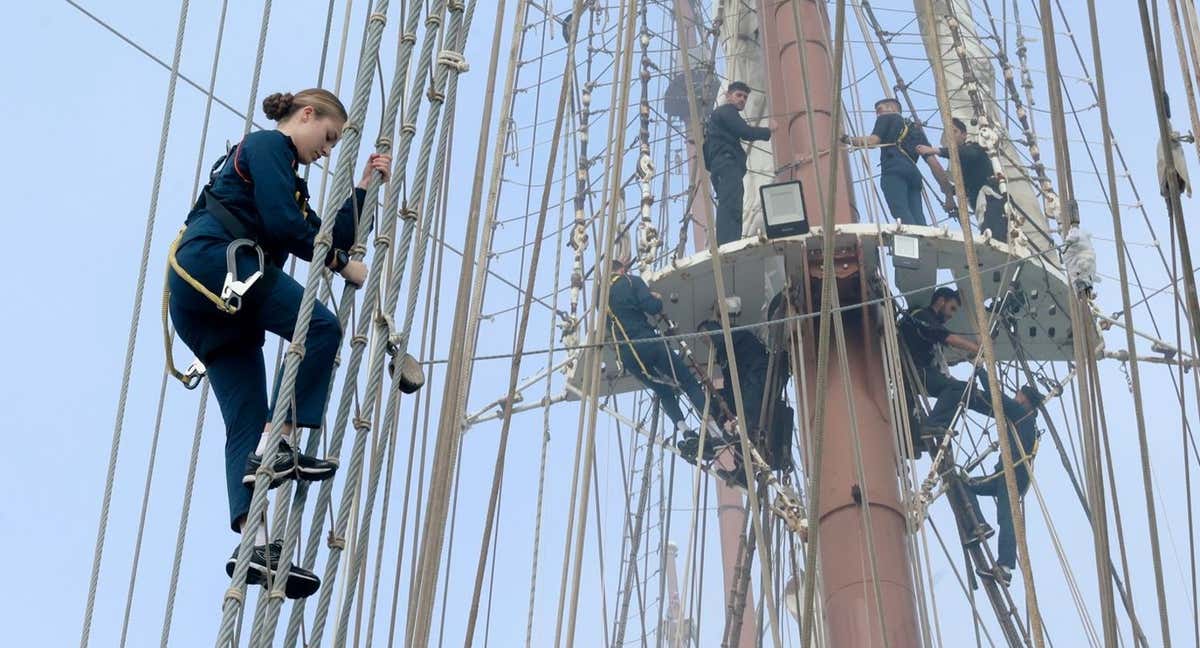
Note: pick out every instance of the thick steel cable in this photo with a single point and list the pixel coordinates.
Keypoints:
(131, 344)
(989, 357)
(589, 413)
(342, 185)
(542, 462)
(447, 87)
(189, 483)
(421, 600)
(515, 366)
(1175, 211)
(383, 328)
(1099, 514)
(185, 511)
(382, 248)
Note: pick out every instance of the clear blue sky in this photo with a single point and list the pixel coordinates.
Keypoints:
(83, 113)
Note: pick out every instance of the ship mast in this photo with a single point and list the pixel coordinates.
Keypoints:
(802, 92)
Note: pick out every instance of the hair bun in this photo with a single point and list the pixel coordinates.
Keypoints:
(278, 105)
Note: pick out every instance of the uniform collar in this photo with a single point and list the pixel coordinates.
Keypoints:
(291, 146)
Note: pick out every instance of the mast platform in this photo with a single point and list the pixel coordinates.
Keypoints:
(1036, 323)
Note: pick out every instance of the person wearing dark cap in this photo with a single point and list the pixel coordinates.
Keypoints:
(725, 158)
(1021, 413)
(900, 141)
(979, 178)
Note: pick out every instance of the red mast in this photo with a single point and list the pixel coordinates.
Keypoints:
(853, 618)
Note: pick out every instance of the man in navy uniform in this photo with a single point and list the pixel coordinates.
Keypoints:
(926, 336)
(639, 348)
(983, 189)
(900, 142)
(726, 159)
(1021, 413)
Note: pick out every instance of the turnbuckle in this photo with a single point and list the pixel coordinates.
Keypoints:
(233, 290)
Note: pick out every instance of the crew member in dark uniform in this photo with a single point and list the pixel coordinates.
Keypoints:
(227, 289)
(726, 159)
(899, 141)
(925, 335)
(1021, 413)
(761, 383)
(983, 189)
(651, 361)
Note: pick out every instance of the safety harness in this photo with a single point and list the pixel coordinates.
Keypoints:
(233, 289)
(618, 333)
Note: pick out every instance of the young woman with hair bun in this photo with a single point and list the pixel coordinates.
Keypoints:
(227, 289)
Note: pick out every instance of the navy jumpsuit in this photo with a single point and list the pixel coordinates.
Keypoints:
(994, 485)
(258, 186)
(629, 302)
(725, 160)
(899, 177)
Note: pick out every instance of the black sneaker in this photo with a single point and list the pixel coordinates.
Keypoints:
(1000, 574)
(264, 559)
(313, 469)
(290, 463)
(982, 532)
(282, 468)
(735, 477)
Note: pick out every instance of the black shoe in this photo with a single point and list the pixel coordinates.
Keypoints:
(735, 477)
(264, 559)
(282, 469)
(289, 463)
(982, 532)
(1000, 574)
(688, 447)
(312, 469)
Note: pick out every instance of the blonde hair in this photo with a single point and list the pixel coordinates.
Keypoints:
(282, 105)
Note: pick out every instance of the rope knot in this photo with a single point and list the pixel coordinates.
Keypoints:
(408, 128)
(335, 541)
(408, 213)
(409, 37)
(453, 60)
(358, 250)
(233, 594)
(433, 20)
(362, 424)
(383, 142)
(377, 17)
(359, 340)
(275, 595)
(296, 349)
(383, 240)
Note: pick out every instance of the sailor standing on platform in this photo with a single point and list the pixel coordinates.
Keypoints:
(227, 289)
(983, 189)
(899, 141)
(639, 349)
(1021, 413)
(725, 158)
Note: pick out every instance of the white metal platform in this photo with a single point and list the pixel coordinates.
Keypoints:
(754, 270)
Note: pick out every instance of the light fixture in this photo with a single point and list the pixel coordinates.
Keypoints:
(783, 209)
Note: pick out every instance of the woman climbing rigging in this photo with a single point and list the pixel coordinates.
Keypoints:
(227, 288)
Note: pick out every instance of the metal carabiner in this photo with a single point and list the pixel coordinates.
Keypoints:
(194, 374)
(233, 290)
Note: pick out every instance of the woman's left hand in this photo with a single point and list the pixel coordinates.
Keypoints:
(377, 162)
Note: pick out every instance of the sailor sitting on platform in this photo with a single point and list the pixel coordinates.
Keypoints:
(639, 349)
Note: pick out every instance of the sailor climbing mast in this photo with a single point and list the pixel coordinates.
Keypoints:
(804, 115)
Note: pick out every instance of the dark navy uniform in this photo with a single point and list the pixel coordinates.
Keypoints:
(978, 173)
(257, 185)
(899, 177)
(652, 362)
(758, 387)
(924, 334)
(726, 162)
(1024, 421)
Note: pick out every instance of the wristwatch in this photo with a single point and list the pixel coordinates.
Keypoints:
(339, 260)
